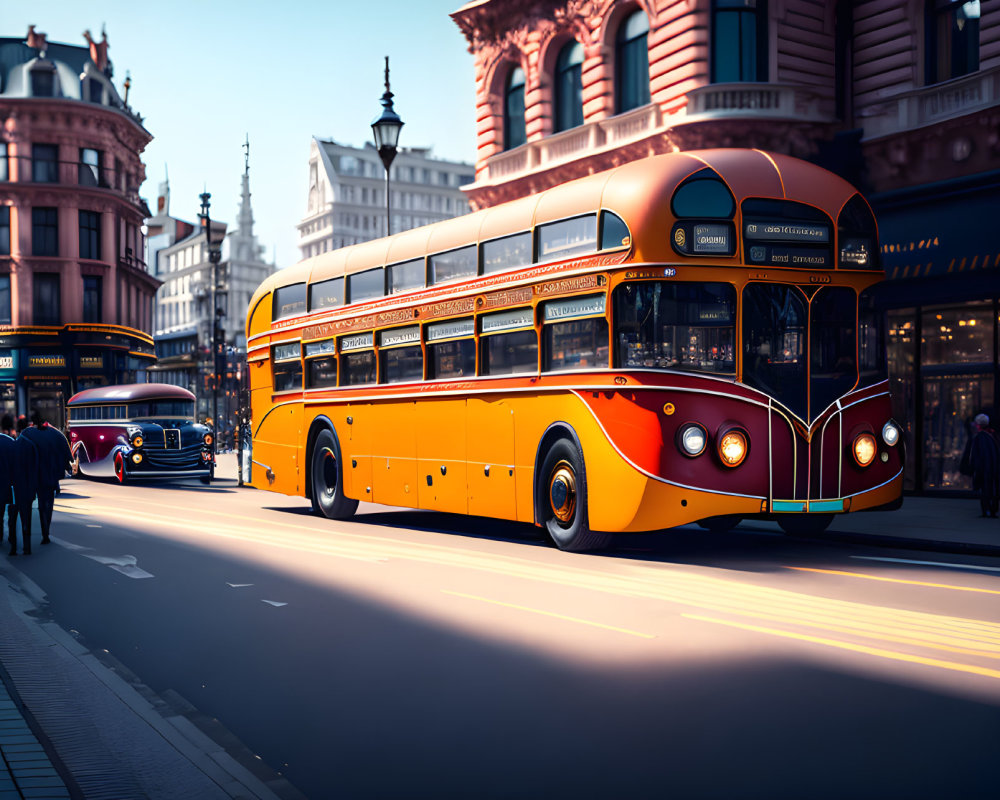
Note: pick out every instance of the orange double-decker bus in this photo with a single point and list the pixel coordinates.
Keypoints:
(685, 338)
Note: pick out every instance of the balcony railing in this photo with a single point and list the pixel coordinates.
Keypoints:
(758, 101)
(932, 104)
(27, 169)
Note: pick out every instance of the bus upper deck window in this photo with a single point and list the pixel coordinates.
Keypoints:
(567, 237)
(289, 301)
(703, 195)
(366, 285)
(406, 275)
(614, 231)
(453, 264)
(857, 236)
(507, 252)
(326, 294)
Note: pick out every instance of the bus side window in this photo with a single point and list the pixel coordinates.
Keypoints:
(451, 349)
(573, 336)
(287, 367)
(508, 343)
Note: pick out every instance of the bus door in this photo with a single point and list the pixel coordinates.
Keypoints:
(491, 458)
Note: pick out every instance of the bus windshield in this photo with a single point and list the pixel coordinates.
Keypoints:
(675, 325)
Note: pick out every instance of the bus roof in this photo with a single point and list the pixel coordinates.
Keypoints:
(638, 191)
(129, 393)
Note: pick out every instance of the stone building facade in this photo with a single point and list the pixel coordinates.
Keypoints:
(901, 97)
(75, 294)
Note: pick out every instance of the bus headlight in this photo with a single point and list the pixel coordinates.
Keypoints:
(734, 445)
(208, 439)
(691, 439)
(137, 441)
(890, 434)
(864, 449)
(136, 458)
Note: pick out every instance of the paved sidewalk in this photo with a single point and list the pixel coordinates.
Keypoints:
(71, 726)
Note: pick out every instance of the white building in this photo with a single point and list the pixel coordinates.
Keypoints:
(346, 202)
(183, 313)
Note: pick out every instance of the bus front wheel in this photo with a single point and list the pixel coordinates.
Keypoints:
(805, 524)
(563, 500)
(327, 482)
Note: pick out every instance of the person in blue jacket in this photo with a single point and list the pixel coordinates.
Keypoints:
(53, 461)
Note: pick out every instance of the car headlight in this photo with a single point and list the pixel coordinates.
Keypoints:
(137, 440)
(734, 445)
(691, 439)
(208, 438)
(136, 458)
(864, 449)
(890, 434)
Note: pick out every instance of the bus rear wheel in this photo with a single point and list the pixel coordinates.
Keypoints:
(805, 524)
(720, 524)
(327, 482)
(563, 500)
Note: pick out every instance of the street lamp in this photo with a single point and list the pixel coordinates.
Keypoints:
(214, 257)
(386, 129)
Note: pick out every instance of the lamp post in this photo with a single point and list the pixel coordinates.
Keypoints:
(386, 129)
(214, 256)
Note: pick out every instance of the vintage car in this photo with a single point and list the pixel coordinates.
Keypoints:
(139, 430)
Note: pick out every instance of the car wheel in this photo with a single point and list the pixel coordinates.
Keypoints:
(327, 481)
(563, 500)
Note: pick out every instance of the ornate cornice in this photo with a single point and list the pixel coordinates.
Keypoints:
(489, 24)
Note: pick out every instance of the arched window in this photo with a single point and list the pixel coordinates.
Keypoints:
(569, 87)
(739, 41)
(514, 133)
(952, 39)
(632, 62)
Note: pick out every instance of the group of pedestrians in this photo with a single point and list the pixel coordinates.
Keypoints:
(34, 457)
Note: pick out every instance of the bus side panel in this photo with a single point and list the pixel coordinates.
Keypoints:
(277, 443)
(357, 451)
(490, 425)
(394, 443)
(441, 453)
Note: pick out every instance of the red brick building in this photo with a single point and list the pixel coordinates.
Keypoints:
(901, 97)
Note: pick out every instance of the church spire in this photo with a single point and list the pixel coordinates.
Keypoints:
(246, 213)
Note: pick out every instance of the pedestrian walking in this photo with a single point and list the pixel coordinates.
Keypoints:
(984, 460)
(53, 461)
(6, 478)
(24, 474)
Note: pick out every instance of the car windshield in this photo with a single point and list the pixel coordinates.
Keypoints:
(155, 410)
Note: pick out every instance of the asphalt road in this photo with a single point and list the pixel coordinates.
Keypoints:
(407, 654)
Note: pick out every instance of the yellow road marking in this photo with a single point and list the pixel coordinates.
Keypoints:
(895, 580)
(858, 648)
(550, 614)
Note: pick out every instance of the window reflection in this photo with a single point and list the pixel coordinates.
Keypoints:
(957, 335)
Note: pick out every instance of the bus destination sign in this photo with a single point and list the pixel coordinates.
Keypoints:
(786, 232)
(803, 257)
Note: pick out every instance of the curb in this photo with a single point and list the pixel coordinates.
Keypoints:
(901, 543)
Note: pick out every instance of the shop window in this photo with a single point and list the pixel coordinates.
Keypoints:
(950, 405)
(569, 87)
(46, 298)
(93, 291)
(952, 30)
(44, 232)
(632, 62)
(45, 163)
(957, 335)
(90, 235)
(4, 168)
(514, 131)
(739, 41)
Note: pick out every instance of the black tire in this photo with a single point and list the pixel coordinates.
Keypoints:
(327, 482)
(720, 524)
(562, 500)
(805, 524)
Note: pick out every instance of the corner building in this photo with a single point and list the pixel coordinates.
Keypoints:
(900, 97)
(75, 295)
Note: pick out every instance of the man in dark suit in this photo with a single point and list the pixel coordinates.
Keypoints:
(53, 461)
(6, 466)
(24, 471)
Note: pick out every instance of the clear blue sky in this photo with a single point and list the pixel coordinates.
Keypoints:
(205, 74)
